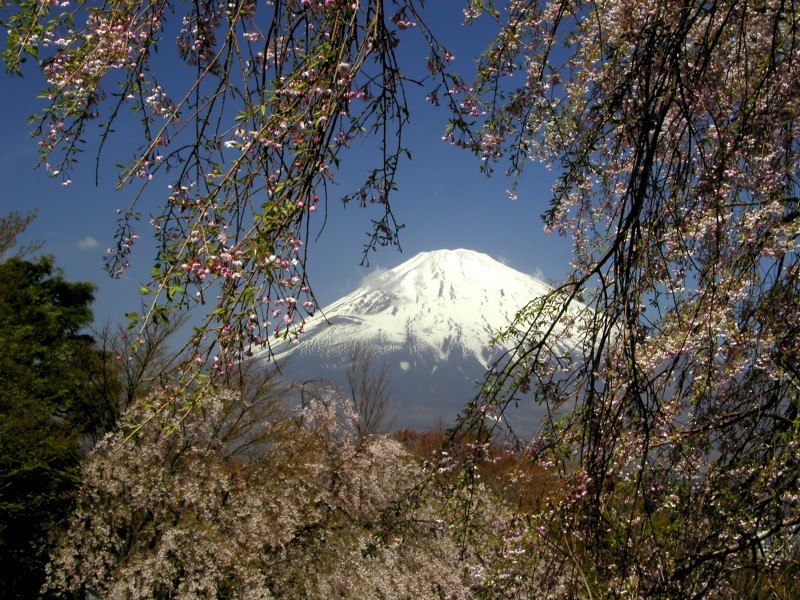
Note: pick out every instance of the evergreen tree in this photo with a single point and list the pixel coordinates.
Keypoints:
(46, 411)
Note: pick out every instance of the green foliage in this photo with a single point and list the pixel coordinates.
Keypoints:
(47, 410)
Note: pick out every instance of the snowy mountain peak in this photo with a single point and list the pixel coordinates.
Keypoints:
(425, 273)
(430, 318)
(440, 301)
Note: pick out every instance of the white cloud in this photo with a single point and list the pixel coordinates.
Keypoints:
(88, 243)
(372, 276)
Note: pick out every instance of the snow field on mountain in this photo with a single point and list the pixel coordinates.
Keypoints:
(445, 301)
(430, 319)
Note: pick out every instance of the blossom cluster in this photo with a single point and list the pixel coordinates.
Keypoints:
(253, 499)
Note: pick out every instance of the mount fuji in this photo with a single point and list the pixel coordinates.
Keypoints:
(429, 320)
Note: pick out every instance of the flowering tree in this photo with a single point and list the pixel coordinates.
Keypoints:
(242, 127)
(673, 392)
(248, 500)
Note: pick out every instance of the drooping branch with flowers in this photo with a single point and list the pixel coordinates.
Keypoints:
(673, 129)
(243, 124)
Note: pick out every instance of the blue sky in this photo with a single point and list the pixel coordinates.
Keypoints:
(443, 200)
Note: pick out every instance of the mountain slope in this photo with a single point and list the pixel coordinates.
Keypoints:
(430, 319)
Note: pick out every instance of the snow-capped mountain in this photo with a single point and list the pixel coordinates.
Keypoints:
(430, 319)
